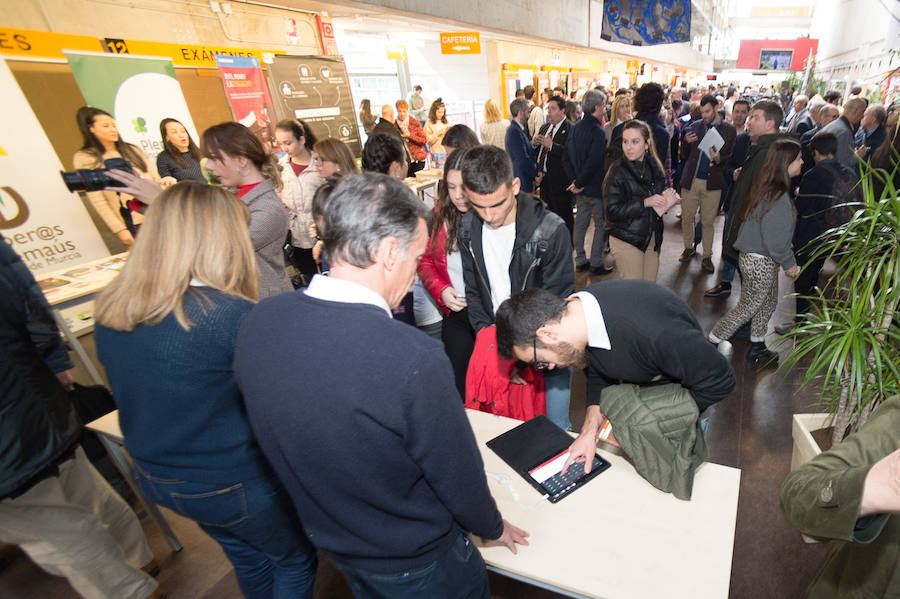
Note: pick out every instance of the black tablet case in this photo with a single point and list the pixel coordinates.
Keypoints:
(534, 442)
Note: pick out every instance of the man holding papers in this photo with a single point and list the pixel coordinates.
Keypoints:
(706, 147)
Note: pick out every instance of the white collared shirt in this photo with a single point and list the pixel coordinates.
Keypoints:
(331, 289)
(593, 318)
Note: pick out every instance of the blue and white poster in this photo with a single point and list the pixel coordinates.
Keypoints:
(646, 22)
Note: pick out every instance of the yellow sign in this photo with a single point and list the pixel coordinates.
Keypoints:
(182, 55)
(632, 66)
(396, 52)
(42, 44)
(461, 42)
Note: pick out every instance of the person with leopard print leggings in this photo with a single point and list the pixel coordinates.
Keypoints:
(764, 242)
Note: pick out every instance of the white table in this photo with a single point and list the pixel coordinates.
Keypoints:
(110, 434)
(76, 285)
(617, 537)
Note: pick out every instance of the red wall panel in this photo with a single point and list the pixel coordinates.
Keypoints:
(748, 55)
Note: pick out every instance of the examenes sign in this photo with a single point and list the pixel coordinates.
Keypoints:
(461, 42)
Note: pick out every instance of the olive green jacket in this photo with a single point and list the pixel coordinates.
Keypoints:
(658, 426)
(822, 499)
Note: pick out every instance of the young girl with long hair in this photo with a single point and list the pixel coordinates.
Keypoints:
(436, 126)
(440, 269)
(300, 179)
(240, 161)
(764, 242)
(180, 157)
(166, 333)
(635, 196)
(101, 141)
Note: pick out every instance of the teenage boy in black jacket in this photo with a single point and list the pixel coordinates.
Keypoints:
(510, 242)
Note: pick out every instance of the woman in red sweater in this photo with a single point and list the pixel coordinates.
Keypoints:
(441, 270)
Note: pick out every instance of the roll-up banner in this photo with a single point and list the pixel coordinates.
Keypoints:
(245, 87)
(45, 223)
(138, 91)
(316, 89)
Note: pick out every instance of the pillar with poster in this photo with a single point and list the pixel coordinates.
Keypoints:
(316, 90)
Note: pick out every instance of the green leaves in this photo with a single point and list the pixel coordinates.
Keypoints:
(851, 340)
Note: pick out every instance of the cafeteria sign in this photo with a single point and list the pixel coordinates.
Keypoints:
(461, 42)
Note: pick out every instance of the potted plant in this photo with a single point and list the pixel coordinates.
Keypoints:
(850, 343)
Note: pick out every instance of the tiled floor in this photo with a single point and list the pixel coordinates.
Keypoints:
(750, 430)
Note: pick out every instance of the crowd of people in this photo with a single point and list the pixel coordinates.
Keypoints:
(284, 422)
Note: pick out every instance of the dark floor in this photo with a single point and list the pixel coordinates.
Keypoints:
(750, 430)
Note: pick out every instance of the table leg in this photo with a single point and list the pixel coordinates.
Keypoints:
(535, 583)
(78, 348)
(124, 466)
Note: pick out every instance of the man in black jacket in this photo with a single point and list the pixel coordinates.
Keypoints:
(550, 149)
(821, 188)
(584, 163)
(510, 242)
(622, 331)
(53, 504)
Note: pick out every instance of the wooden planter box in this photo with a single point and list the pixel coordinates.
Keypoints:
(805, 447)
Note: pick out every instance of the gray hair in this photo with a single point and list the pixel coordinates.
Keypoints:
(802, 98)
(591, 100)
(363, 210)
(518, 105)
(815, 106)
(879, 112)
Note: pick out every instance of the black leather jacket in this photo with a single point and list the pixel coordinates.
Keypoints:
(38, 425)
(541, 257)
(628, 184)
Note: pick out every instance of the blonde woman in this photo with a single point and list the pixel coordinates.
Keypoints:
(101, 142)
(166, 332)
(238, 159)
(493, 131)
(436, 126)
(620, 112)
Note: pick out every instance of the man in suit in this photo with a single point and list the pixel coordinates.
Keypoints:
(584, 163)
(800, 121)
(822, 114)
(518, 146)
(550, 144)
(871, 132)
(844, 128)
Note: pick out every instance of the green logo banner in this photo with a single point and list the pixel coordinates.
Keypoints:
(138, 91)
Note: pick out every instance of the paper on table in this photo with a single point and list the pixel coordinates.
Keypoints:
(712, 139)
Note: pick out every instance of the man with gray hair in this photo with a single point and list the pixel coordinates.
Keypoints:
(584, 164)
(518, 146)
(362, 421)
(844, 128)
(871, 132)
(800, 121)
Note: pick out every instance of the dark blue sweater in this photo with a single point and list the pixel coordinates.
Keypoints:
(179, 406)
(361, 419)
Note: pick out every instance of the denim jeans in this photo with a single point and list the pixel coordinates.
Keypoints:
(729, 267)
(254, 522)
(557, 385)
(460, 574)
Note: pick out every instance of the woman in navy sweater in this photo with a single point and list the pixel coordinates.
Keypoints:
(166, 331)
